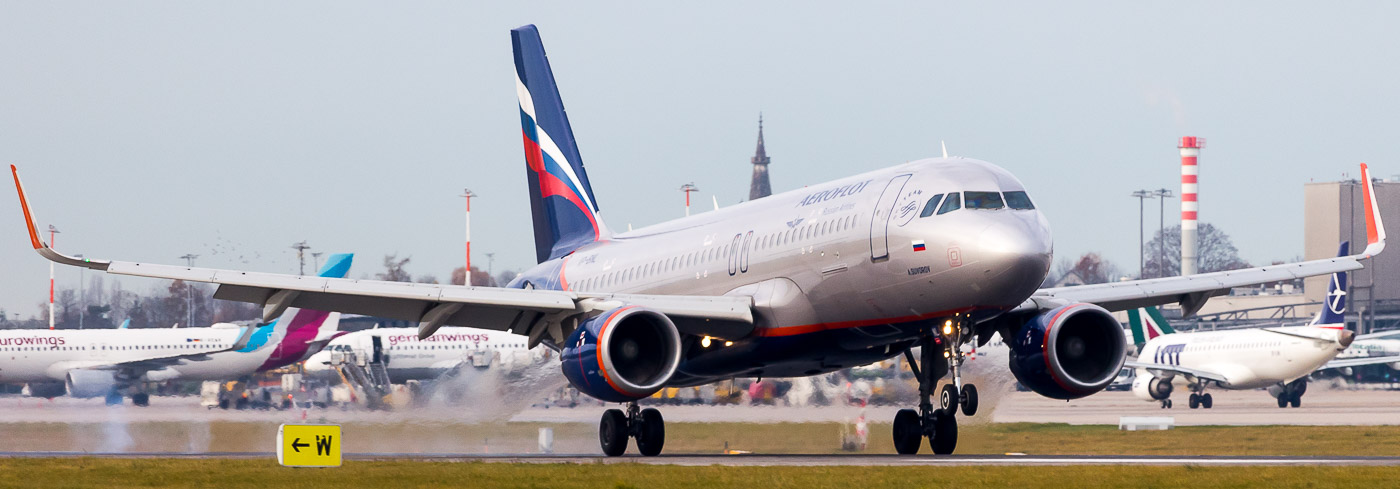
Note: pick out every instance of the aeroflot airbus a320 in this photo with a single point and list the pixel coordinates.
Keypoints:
(931, 254)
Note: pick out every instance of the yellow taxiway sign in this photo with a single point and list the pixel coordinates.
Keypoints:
(308, 445)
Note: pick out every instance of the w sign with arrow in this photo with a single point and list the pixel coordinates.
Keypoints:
(308, 445)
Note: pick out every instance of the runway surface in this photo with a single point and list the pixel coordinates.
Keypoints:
(777, 460)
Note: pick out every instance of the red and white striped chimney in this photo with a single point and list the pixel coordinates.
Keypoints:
(1190, 147)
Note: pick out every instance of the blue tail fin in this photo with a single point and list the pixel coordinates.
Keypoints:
(1334, 306)
(561, 200)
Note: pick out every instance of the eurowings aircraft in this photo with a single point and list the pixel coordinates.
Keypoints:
(112, 362)
(1278, 359)
(406, 357)
(925, 255)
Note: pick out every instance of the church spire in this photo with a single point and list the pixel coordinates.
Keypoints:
(759, 187)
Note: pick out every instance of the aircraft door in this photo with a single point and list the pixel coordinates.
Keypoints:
(880, 220)
(377, 349)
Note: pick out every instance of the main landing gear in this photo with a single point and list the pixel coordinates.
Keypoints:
(1201, 400)
(940, 425)
(646, 425)
(1292, 393)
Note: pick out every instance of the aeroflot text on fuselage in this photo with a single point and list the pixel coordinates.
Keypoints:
(33, 340)
(472, 337)
(835, 193)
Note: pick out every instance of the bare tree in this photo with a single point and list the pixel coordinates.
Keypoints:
(393, 269)
(1215, 252)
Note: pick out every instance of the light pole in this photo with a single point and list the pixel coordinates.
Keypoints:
(490, 263)
(1164, 194)
(316, 261)
(1142, 196)
(466, 192)
(688, 188)
(82, 292)
(52, 232)
(189, 292)
(301, 248)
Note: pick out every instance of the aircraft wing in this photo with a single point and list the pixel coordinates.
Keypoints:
(531, 312)
(1193, 291)
(1158, 368)
(1357, 362)
(1379, 334)
(135, 368)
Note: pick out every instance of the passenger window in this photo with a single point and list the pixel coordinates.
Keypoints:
(931, 206)
(984, 200)
(1019, 200)
(952, 203)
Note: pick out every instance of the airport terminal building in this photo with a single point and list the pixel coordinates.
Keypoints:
(1335, 211)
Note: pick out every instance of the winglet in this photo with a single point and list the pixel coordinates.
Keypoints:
(1375, 228)
(39, 244)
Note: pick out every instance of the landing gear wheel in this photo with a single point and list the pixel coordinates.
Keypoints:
(1194, 401)
(1283, 400)
(1206, 401)
(651, 434)
(908, 432)
(142, 399)
(948, 399)
(969, 400)
(945, 433)
(1168, 403)
(612, 432)
(1296, 401)
(113, 399)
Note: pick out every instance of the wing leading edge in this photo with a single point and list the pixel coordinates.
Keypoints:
(1193, 291)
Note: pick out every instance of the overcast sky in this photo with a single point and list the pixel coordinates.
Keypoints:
(148, 130)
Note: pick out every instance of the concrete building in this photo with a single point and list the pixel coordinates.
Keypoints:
(1334, 212)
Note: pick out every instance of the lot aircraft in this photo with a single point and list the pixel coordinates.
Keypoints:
(932, 253)
(1277, 359)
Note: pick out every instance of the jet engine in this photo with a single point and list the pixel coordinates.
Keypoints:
(48, 390)
(1068, 352)
(1151, 388)
(91, 383)
(622, 355)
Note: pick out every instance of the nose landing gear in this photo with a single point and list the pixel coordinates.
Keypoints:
(939, 425)
(646, 425)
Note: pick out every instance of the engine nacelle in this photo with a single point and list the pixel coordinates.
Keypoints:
(1069, 352)
(622, 355)
(91, 383)
(1147, 387)
(48, 390)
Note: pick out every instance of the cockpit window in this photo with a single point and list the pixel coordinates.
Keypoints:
(984, 200)
(931, 206)
(1019, 200)
(950, 204)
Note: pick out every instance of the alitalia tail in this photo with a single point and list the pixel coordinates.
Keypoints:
(1278, 359)
(923, 256)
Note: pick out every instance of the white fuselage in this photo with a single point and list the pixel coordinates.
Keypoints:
(1249, 358)
(409, 358)
(48, 355)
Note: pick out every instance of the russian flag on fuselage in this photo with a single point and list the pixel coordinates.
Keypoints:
(561, 199)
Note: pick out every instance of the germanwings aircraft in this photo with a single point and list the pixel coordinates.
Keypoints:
(923, 256)
(1278, 359)
(406, 357)
(108, 363)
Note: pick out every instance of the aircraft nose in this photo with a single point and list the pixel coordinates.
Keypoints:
(1017, 255)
